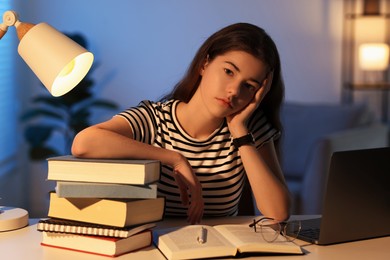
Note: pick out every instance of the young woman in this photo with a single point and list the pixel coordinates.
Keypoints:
(219, 126)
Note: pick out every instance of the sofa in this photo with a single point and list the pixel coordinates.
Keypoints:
(312, 132)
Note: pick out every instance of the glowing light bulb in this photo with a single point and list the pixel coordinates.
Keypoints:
(374, 56)
(67, 69)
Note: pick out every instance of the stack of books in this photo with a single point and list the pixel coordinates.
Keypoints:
(102, 206)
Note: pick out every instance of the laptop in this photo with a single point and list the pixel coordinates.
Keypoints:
(357, 199)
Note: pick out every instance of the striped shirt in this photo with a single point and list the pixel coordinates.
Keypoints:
(215, 161)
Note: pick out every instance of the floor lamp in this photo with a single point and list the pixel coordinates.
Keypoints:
(366, 47)
(58, 62)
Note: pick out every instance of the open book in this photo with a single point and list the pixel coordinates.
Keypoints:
(219, 241)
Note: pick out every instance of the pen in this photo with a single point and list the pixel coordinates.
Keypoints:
(202, 236)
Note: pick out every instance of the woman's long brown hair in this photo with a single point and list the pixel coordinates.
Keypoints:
(238, 37)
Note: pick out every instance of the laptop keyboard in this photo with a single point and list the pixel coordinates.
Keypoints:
(310, 229)
(313, 233)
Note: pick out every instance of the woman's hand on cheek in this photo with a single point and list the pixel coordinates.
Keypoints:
(190, 190)
(237, 121)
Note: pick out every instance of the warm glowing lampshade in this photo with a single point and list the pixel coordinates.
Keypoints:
(374, 56)
(56, 60)
(59, 62)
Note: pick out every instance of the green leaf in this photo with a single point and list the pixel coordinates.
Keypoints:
(104, 104)
(50, 101)
(38, 134)
(42, 153)
(41, 112)
(81, 92)
(96, 103)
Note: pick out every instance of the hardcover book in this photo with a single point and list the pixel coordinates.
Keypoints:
(83, 228)
(218, 241)
(120, 171)
(107, 246)
(67, 189)
(111, 212)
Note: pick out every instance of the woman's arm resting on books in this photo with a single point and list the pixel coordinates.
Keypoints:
(110, 139)
(114, 139)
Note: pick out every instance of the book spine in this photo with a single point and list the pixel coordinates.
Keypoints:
(81, 230)
(135, 172)
(79, 250)
(100, 190)
(93, 253)
(68, 243)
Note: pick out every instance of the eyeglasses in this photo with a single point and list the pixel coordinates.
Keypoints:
(271, 229)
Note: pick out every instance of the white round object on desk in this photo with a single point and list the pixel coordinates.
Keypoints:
(12, 218)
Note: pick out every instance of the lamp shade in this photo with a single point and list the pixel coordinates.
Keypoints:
(373, 56)
(58, 62)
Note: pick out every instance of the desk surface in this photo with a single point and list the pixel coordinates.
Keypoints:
(25, 244)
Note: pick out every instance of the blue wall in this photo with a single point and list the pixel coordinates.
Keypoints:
(144, 47)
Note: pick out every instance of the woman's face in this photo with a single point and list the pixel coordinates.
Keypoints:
(230, 81)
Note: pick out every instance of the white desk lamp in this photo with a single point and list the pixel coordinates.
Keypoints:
(58, 62)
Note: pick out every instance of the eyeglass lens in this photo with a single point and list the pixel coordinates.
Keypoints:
(292, 229)
(271, 230)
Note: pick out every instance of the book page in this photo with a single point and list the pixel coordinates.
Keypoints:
(181, 243)
(247, 240)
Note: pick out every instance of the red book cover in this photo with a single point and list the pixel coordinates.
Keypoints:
(105, 246)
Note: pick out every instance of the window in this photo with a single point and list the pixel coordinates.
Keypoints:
(8, 111)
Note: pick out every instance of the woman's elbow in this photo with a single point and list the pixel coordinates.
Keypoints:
(79, 146)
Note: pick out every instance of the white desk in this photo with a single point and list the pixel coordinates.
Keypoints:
(25, 244)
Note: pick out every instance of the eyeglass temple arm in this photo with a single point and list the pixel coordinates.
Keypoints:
(257, 221)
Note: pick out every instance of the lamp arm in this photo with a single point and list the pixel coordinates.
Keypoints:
(11, 18)
(3, 30)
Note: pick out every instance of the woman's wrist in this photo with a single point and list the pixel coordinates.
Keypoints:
(247, 139)
(173, 158)
(238, 132)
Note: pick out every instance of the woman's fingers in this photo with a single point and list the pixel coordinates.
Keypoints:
(182, 188)
(195, 211)
(196, 207)
(190, 190)
(191, 196)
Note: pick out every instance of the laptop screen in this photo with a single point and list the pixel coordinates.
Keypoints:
(357, 199)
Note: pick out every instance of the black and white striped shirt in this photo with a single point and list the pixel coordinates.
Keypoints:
(215, 161)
